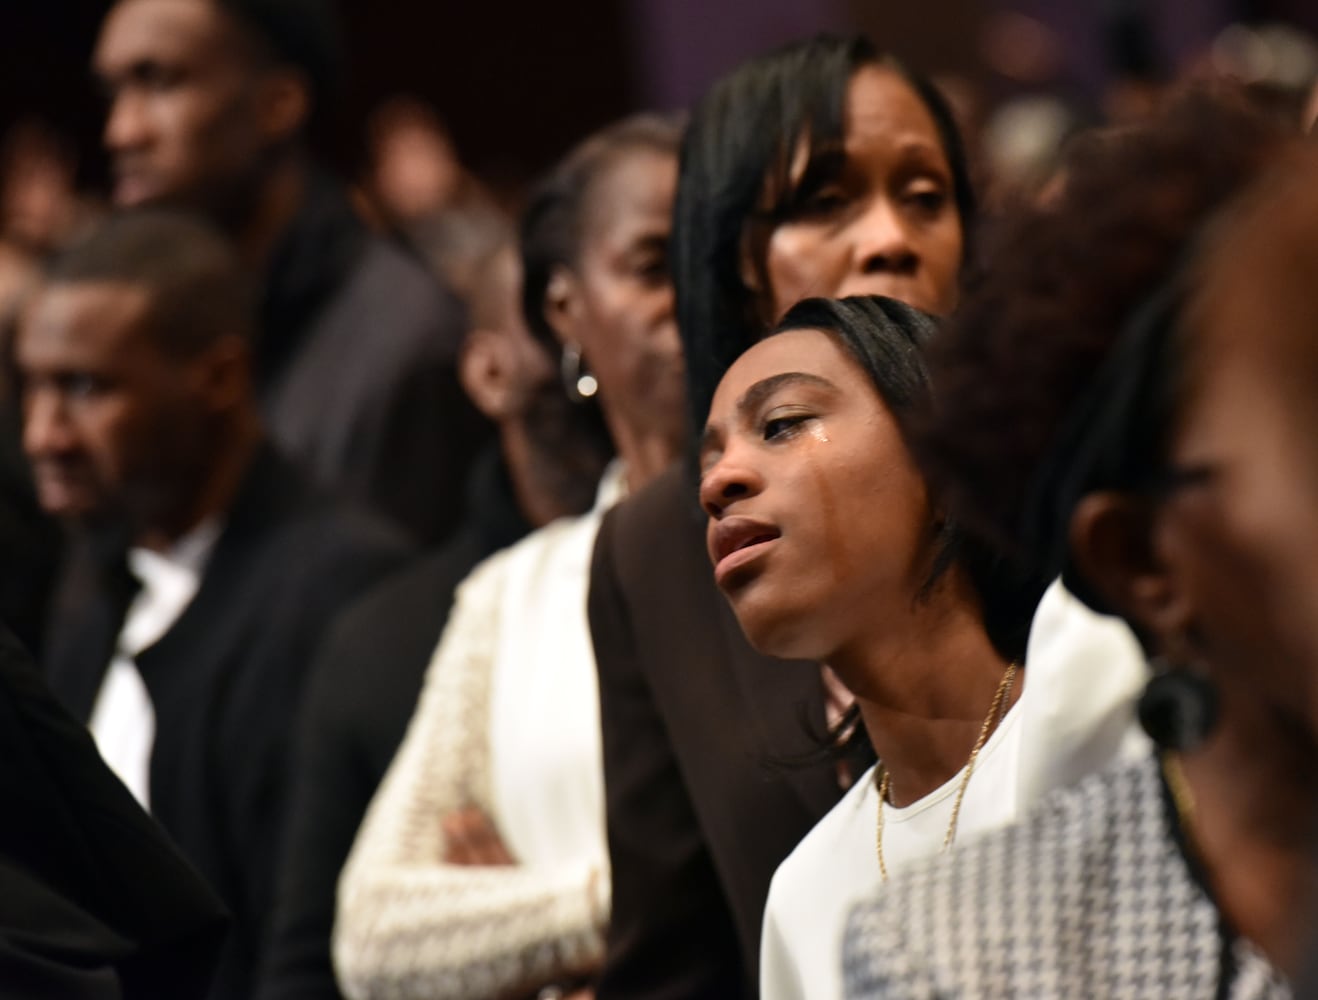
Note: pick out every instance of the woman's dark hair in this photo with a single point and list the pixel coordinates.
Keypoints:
(887, 339)
(552, 223)
(1065, 331)
(737, 166)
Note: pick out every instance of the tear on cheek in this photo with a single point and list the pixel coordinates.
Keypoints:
(819, 434)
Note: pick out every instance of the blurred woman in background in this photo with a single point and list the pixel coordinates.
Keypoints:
(481, 869)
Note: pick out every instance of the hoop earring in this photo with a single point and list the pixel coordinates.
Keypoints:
(1179, 706)
(578, 382)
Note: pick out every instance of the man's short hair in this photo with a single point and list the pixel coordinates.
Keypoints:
(304, 34)
(198, 289)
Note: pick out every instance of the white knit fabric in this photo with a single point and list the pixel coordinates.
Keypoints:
(411, 926)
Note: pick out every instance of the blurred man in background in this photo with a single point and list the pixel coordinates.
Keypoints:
(204, 567)
(363, 689)
(209, 104)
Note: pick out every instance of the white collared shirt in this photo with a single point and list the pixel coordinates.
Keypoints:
(123, 720)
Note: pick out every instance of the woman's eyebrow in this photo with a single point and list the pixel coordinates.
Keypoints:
(755, 396)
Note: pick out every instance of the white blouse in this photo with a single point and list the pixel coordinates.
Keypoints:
(507, 721)
(1074, 716)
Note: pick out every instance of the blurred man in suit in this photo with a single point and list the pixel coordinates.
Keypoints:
(204, 566)
(209, 104)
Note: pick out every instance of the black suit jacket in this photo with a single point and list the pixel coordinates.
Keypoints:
(698, 728)
(225, 680)
(94, 899)
(357, 368)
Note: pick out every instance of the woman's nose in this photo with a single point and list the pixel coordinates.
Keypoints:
(883, 240)
(726, 482)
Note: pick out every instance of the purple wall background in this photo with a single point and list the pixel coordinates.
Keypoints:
(520, 80)
(682, 46)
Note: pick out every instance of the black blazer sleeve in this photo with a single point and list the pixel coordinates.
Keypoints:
(672, 934)
(93, 896)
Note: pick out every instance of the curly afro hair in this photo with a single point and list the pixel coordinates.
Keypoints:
(1058, 284)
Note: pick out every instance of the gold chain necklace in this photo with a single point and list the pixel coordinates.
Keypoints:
(1182, 795)
(884, 778)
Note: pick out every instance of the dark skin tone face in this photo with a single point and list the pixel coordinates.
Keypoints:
(616, 305)
(799, 452)
(1246, 524)
(822, 536)
(882, 220)
(193, 108)
(118, 431)
(1240, 550)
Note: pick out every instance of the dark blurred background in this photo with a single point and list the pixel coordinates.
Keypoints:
(517, 81)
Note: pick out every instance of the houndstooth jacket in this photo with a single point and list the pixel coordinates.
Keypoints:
(1092, 896)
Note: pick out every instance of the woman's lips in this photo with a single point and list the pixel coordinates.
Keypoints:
(736, 541)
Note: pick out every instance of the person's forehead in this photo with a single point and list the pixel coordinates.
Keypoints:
(632, 194)
(164, 31)
(881, 102)
(809, 351)
(1258, 300)
(82, 319)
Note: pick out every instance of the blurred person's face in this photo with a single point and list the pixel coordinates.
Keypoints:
(885, 221)
(416, 171)
(1240, 541)
(819, 521)
(112, 426)
(191, 108)
(617, 304)
(37, 196)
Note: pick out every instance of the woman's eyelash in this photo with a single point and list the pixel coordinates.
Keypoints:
(780, 426)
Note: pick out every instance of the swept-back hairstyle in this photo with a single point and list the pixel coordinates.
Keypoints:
(887, 339)
(736, 169)
(1057, 376)
(551, 226)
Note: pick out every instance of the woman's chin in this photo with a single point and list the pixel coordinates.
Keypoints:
(773, 633)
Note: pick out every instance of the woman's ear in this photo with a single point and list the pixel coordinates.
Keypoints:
(1113, 547)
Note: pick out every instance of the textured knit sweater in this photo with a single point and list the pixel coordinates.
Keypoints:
(516, 649)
